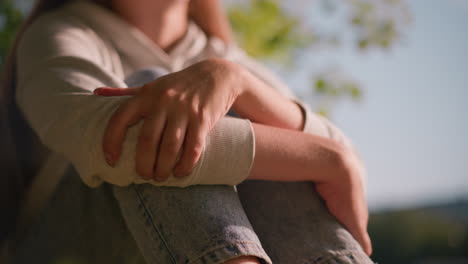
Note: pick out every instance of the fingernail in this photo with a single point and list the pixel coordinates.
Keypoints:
(96, 91)
(109, 159)
(101, 90)
(158, 179)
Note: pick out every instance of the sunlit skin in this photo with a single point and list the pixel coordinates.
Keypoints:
(177, 114)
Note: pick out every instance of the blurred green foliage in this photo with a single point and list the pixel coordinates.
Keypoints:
(10, 19)
(371, 30)
(265, 30)
(279, 31)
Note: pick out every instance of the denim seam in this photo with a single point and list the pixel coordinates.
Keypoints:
(256, 249)
(155, 229)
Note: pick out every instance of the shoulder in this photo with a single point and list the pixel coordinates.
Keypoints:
(57, 32)
(55, 23)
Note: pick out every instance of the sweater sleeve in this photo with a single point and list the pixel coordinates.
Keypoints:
(59, 66)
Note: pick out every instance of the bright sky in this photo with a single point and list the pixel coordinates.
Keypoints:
(412, 127)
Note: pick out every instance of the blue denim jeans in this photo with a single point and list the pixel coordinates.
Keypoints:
(279, 222)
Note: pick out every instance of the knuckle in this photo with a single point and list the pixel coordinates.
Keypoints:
(178, 136)
(203, 115)
(196, 149)
(173, 140)
(167, 94)
(179, 98)
(194, 110)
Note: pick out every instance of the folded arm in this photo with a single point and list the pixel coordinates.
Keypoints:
(56, 78)
(59, 67)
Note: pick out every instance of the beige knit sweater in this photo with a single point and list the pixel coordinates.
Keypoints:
(69, 52)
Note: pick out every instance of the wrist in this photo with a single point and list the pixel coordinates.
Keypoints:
(240, 77)
(230, 73)
(245, 84)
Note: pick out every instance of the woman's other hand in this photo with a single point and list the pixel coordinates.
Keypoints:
(344, 196)
(178, 110)
(288, 155)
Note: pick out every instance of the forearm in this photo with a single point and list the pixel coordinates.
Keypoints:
(262, 104)
(268, 101)
(286, 155)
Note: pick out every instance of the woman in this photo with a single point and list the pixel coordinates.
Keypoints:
(172, 133)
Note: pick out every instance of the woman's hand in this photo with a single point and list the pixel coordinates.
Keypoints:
(344, 196)
(288, 155)
(178, 109)
(181, 108)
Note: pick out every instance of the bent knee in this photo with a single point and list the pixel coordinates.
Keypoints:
(243, 260)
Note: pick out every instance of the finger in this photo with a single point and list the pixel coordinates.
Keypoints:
(125, 116)
(171, 144)
(367, 244)
(362, 237)
(357, 226)
(192, 149)
(148, 144)
(364, 240)
(108, 91)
